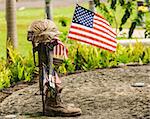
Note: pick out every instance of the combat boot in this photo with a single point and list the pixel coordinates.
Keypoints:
(55, 107)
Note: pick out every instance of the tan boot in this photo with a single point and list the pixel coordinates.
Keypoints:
(55, 107)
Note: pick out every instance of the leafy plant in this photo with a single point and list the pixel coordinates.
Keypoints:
(128, 6)
(146, 55)
(123, 54)
(92, 58)
(69, 65)
(137, 52)
(85, 57)
(147, 31)
(63, 21)
(4, 74)
(105, 10)
(21, 68)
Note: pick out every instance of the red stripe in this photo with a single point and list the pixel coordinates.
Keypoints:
(104, 28)
(94, 39)
(90, 43)
(56, 50)
(105, 33)
(59, 46)
(87, 36)
(101, 21)
(98, 15)
(60, 50)
(82, 29)
(106, 22)
(67, 52)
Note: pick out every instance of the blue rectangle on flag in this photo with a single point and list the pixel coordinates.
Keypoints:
(83, 16)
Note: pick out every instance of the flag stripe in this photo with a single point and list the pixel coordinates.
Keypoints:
(54, 51)
(97, 44)
(91, 28)
(60, 50)
(91, 38)
(100, 29)
(98, 25)
(107, 27)
(95, 33)
(97, 18)
(106, 23)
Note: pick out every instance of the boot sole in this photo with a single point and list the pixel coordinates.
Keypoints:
(55, 114)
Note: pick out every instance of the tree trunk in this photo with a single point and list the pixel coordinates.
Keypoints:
(91, 5)
(48, 9)
(11, 23)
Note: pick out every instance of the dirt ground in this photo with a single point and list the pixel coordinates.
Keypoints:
(115, 93)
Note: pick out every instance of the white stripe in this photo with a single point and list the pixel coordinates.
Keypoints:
(107, 26)
(112, 37)
(61, 50)
(105, 21)
(109, 29)
(96, 31)
(94, 36)
(56, 38)
(105, 30)
(59, 42)
(100, 27)
(92, 41)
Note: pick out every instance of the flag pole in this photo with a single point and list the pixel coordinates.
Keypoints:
(77, 1)
(91, 5)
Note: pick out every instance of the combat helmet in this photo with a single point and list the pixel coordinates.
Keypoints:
(41, 31)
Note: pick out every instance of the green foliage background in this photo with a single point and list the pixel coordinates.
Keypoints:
(27, 16)
(19, 68)
(129, 12)
(81, 56)
(85, 57)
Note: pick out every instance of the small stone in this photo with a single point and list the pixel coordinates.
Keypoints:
(138, 84)
(10, 117)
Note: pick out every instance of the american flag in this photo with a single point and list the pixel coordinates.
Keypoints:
(60, 50)
(92, 28)
(51, 80)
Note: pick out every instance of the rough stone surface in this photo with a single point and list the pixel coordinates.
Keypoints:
(23, 101)
(101, 94)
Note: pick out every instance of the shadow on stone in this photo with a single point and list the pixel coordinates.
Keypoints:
(31, 115)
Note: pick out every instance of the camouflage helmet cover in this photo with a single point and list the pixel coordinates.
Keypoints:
(42, 31)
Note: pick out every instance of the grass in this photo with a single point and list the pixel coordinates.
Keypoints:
(24, 19)
(27, 16)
